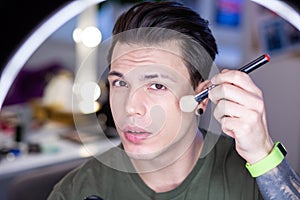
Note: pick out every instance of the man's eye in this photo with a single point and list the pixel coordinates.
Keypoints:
(157, 86)
(119, 83)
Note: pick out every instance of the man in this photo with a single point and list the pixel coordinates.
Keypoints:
(160, 53)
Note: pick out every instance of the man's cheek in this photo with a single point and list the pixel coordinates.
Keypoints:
(117, 104)
(156, 118)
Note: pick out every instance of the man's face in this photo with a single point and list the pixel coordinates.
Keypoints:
(146, 84)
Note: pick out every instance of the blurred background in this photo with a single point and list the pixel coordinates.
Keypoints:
(42, 137)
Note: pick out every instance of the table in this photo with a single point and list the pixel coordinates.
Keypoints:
(55, 150)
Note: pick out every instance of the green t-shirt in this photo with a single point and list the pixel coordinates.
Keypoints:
(221, 174)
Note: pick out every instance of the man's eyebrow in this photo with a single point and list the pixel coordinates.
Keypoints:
(115, 73)
(144, 77)
(150, 76)
(156, 75)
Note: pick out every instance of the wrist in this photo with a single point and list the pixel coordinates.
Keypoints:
(271, 161)
(261, 153)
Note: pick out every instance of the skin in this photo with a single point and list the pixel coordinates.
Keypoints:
(241, 113)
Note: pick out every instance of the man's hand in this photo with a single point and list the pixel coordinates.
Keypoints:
(241, 112)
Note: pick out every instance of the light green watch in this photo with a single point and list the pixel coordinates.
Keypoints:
(271, 161)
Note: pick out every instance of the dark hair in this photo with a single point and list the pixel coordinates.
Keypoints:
(172, 21)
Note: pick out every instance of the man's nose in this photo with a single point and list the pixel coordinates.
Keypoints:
(135, 104)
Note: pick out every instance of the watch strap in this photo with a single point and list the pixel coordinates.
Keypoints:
(274, 158)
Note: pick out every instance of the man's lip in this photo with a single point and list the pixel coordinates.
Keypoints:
(136, 134)
(134, 129)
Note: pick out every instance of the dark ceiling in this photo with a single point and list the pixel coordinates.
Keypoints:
(18, 19)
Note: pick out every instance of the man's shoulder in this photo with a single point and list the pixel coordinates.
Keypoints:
(91, 177)
(94, 166)
(88, 176)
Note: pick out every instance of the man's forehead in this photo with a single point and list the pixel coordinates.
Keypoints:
(121, 49)
(166, 57)
(149, 72)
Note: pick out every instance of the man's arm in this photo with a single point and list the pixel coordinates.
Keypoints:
(241, 112)
(280, 183)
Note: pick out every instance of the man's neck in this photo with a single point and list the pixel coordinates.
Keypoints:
(171, 176)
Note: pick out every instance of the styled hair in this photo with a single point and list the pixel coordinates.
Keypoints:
(157, 22)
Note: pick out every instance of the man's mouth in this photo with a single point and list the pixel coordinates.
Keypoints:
(136, 134)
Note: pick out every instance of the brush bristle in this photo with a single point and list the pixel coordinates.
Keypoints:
(188, 103)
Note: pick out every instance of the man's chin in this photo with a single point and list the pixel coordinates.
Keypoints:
(142, 156)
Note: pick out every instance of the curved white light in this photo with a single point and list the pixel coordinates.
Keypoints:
(283, 10)
(35, 39)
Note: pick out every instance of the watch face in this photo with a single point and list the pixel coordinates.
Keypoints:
(282, 149)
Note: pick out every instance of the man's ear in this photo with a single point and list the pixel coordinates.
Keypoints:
(203, 104)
